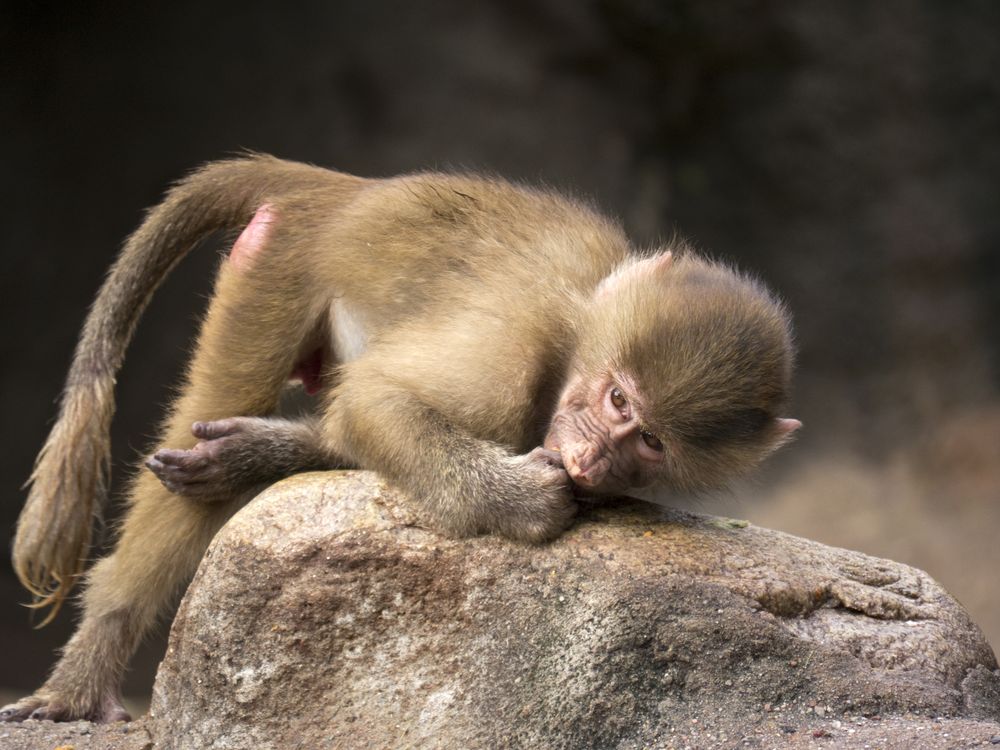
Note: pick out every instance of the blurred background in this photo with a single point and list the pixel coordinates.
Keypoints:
(847, 152)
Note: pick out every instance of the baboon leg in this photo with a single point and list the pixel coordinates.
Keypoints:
(247, 347)
(162, 540)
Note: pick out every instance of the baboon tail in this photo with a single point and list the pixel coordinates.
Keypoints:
(69, 482)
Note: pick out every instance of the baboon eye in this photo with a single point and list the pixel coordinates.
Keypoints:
(618, 398)
(651, 440)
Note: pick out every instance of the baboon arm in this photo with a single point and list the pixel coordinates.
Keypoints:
(463, 485)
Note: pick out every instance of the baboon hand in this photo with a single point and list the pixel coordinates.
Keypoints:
(546, 507)
(217, 465)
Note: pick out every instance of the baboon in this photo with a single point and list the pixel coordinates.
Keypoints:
(496, 351)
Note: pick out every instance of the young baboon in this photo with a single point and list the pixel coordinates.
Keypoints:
(492, 349)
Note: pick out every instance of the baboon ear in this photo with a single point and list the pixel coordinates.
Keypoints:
(644, 267)
(787, 426)
(783, 430)
(655, 264)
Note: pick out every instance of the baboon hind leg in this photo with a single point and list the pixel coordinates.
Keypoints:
(245, 352)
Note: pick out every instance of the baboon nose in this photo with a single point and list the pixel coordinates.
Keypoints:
(580, 477)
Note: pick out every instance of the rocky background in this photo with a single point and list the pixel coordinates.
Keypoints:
(849, 153)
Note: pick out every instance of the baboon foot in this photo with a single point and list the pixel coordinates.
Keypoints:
(52, 708)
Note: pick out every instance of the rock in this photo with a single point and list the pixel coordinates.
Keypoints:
(75, 735)
(324, 616)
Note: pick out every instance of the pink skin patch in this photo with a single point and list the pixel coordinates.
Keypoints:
(251, 240)
(310, 372)
(248, 245)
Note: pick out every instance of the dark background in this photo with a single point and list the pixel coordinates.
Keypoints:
(847, 152)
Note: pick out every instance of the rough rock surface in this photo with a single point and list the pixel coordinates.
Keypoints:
(75, 735)
(324, 616)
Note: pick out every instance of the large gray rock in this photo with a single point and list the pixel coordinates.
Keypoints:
(324, 616)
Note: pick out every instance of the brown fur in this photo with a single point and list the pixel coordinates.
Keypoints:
(712, 350)
(479, 302)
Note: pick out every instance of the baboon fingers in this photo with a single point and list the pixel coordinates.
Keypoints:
(546, 455)
(184, 473)
(185, 460)
(218, 428)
